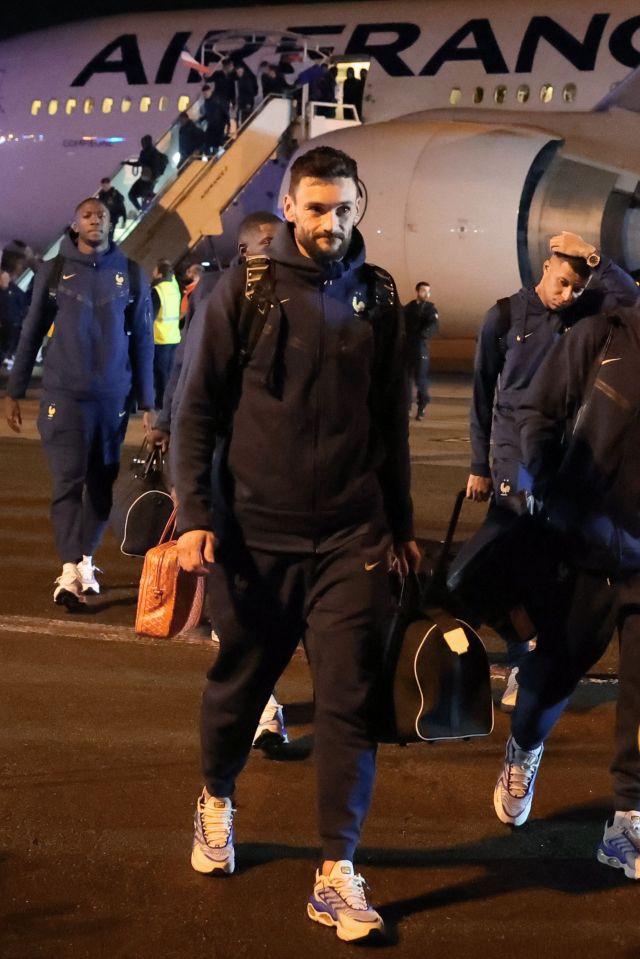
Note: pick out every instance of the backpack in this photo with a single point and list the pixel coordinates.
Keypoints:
(159, 163)
(55, 275)
(260, 296)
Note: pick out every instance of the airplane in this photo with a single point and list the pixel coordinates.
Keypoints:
(486, 129)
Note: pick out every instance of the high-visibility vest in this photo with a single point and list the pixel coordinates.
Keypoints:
(166, 326)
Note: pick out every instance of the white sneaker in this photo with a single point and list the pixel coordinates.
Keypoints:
(339, 900)
(212, 850)
(271, 730)
(87, 573)
(620, 845)
(68, 591)
(510, 694)
(513, 794)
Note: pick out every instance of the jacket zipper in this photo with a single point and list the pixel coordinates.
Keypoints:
(316, 424)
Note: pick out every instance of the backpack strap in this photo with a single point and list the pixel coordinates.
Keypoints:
(133, 270)
(504, 317)
(53, 282)
(381, 296)
(259, 296)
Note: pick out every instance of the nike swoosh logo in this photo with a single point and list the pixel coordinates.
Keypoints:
(369, 566)
(527, 335)
(67, 276)
(614, 360)
(122, 414)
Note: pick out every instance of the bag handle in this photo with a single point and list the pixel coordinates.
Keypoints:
(415, 588)
(437, 588)
(169, 532)
(154, 461)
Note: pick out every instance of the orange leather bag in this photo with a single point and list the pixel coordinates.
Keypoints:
(169, 600)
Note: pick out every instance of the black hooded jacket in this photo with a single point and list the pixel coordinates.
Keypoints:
(318, 441)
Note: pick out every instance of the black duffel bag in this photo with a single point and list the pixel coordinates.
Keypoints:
(435, 681)
(142, 504)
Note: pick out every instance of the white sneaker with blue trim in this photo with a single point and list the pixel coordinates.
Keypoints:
(513, 794)
(339, 900)
(620, 845)
(271, 730)
(212, 850)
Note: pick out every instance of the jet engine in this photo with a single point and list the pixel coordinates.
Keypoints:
(471, 207)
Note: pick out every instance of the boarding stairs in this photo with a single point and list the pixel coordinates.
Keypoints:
(190, 206)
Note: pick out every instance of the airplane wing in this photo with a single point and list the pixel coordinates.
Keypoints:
(625, 95)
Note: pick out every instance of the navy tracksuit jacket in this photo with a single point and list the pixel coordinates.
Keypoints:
(94, 363)
(504, 367)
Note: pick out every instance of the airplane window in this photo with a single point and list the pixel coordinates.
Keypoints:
(145, 104)
(522, 94)
(455, 96)
(546, 92)
(70, 106)
(500, 94)
(163, 104)
(183, 102)
(569, 93)
(87, 106)
(107, 104)
(125, 105)
(36, 106)
(52, 108)
(478, 95)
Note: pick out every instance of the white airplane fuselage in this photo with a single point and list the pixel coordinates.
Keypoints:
(463, 105)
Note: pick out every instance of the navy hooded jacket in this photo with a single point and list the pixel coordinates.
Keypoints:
(91, 352)
(319, 439)
(504, 366)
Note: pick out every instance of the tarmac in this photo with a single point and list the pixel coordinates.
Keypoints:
(100, 771)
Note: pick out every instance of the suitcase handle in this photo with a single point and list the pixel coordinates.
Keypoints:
(437, 588)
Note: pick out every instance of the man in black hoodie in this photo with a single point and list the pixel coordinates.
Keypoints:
(316, 493)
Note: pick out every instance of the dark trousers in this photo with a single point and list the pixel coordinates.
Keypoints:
(214, 137)
(163, 355)
(505, 496)
(245, 109)
(9, 337)
(261, 605)
(419, 375)
(81, 440)
(140, 190)
(573, 633)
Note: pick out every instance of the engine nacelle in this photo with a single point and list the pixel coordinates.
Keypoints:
(470, 208)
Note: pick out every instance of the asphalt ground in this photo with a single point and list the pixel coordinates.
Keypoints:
(100, 772)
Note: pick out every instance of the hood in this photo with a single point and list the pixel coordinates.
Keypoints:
(71, 252)
(284, 250)
(534, 305)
